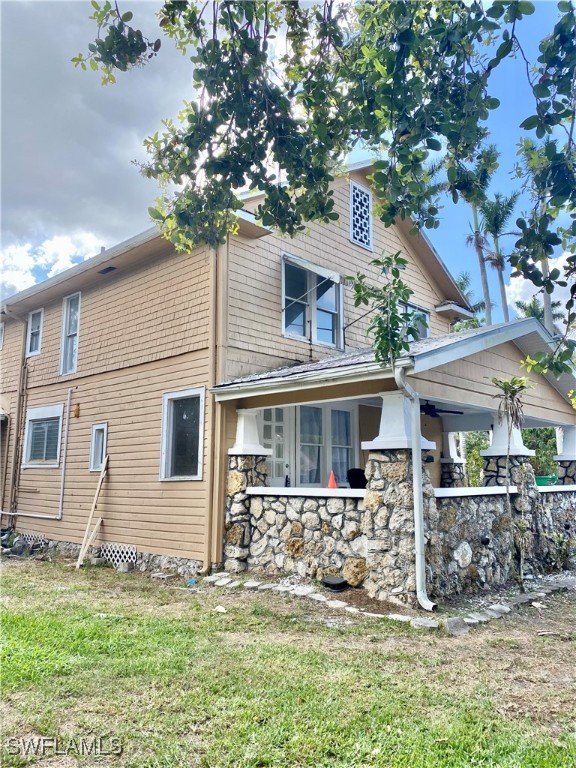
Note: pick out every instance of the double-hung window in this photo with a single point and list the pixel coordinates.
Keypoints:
(311, 302)
(325, 444)
(42, 436)
(361, 216)
(98, 446)
(70, 328)
(34, 333)
(182, 435)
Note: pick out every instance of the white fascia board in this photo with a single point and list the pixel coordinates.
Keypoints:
(305, 382)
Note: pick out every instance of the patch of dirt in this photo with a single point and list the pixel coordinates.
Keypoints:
(359, 598)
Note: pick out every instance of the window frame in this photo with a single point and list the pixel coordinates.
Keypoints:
(166, 439)
(327, 440)
(369, 247)
(41, 413)
(64, 335)
(2, 332)
(410, 307)
(96, 427)
(314, 271)
(29, 332)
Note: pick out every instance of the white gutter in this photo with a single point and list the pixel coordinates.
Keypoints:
(412, 395)
(63, 476)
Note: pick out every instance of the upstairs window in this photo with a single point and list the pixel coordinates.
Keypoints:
(70, 327)
(1, 335)
(422, 322)
(311, 304)
(361, 216)
(42, 436)
(34, 333)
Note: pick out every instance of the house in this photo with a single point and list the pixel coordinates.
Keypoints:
(226, 384)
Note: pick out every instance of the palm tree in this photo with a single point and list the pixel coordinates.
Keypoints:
(464, 282)
(477, 181)
(534, 308)
(495, 216)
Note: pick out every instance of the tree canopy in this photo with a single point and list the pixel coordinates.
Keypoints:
(284, 90)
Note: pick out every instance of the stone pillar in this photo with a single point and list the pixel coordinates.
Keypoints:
(566, 458)
(452, 465)
(495, 456)
(246, 467)
(388, 523)
(243, 471)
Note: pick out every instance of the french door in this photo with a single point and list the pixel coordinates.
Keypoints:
(308, 442)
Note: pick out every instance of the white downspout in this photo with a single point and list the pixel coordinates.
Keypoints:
(412, 395)
(63, 475)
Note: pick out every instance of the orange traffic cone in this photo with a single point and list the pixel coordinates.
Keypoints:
(332, 480)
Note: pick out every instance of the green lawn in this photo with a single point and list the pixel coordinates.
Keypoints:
(268, 683)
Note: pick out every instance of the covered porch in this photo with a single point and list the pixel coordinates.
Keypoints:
(350, 416)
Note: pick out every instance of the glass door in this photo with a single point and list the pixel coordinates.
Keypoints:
(276, 435)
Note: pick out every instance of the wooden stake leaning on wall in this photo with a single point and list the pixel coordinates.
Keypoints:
(89, 537)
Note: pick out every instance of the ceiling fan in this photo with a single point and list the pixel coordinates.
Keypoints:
(429, 409)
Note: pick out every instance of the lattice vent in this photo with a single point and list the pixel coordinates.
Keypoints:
(360, 216)
(118, 553)
(34, 539)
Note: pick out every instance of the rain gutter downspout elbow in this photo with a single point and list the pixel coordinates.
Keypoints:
(416, 438)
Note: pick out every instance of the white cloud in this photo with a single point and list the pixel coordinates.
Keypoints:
(520, 289)
(23, 265)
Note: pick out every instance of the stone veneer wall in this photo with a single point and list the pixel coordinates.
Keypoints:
(566, 473)
(453, 474)
(471, 541)
(494, 472)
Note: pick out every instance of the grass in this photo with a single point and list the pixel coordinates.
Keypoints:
(268, 683)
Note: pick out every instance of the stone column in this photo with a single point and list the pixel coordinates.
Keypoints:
(566, 458)
(495, 456)
(243, 471)
(452, 466)
(246, 467)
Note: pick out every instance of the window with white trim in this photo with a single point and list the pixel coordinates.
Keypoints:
(361, 215)
(70, 328)
(1, 335)
(98, 446)
(34, 332)
(42, 436)
(311, 303)
(182, 435)
(422, 324)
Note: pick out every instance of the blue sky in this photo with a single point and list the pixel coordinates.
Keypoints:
(68, 184)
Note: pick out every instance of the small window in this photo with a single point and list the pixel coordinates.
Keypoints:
(422, 322)
(34, 333)
(42, 436)
(312, 303)
(98, 446)
(70, 328)
(182, 435)
(1, 335)
(361, 216)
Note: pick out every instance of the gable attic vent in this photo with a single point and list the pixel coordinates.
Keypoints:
(106, 270)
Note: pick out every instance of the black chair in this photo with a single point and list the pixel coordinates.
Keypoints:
(356, 478)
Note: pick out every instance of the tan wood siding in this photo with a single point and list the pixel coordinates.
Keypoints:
(149, 313)
(255, 340)
(138, 508)
(468, 381)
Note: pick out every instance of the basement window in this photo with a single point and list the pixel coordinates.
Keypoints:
(42, 436)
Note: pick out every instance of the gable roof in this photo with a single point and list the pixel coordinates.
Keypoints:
(528, 334)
